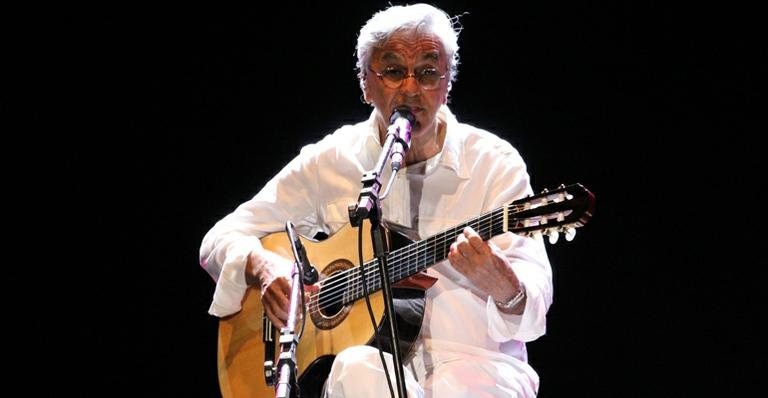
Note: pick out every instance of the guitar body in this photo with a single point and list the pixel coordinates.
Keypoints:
(337, 314)
(241, 349)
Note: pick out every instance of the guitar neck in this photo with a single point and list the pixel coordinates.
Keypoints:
(418, 256)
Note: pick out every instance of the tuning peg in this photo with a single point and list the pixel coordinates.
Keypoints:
(553, 235)
(570, 233)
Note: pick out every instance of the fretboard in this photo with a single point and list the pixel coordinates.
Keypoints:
(417, 256)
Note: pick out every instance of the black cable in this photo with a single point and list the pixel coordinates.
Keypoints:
(370, 309)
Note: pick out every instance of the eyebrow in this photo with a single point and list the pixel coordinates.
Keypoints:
(431, 56)
(395, 57)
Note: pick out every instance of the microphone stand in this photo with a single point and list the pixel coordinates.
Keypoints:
(288, 339)
(369, 207)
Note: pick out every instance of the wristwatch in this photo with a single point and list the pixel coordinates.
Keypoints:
(514, 301)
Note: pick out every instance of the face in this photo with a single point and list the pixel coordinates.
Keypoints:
(411, 53)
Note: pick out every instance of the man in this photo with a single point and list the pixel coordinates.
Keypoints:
(490, 296)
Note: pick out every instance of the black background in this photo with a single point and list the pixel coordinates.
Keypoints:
(176, 114)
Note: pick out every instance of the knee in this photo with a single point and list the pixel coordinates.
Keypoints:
(357, 372)
(355, 356)
(352, 368)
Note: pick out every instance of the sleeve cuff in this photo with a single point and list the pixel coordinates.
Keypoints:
(525, 327)
(231, 286)
(499, 329)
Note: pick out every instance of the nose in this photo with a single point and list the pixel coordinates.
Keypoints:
(410, 85)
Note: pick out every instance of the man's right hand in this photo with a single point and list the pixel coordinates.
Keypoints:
(271, 274)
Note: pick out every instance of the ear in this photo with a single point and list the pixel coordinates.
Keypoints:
(366, 96)
(364, 87)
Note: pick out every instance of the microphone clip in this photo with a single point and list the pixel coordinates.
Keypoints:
(309, 274)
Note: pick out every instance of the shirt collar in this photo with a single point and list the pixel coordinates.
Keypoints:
(452, 155)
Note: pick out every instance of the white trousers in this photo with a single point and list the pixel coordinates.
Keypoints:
(357, 372)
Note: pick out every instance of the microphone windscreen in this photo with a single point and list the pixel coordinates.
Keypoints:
(403, 112)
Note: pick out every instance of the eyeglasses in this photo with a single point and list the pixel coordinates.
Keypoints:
(393, 76)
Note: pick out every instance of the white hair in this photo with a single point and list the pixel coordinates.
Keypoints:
(422, 18)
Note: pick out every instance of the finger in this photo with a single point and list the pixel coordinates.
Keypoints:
(277, 310)
(273, 308)
(277, 300)
(283, 286)
(461, 240)
(469, 232)
(312, 288)
(465, 248)
(275, 320)
(476, 241)
(455, 256)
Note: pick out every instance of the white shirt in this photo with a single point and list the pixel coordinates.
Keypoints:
(475, 172)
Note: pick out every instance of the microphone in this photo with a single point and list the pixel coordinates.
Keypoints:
(309, 273)
(400, 127)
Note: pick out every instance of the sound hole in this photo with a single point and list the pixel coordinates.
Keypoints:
(327, 306)
(330, 301)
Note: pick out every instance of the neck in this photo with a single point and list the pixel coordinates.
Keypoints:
(425, 148)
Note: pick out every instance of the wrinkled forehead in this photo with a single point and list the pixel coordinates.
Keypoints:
(404, 47)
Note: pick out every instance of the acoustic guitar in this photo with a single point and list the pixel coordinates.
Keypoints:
(337, 314)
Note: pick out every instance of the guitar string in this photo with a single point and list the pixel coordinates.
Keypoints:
(353, 286)
(333, 294)
(339, 278)
(342, 276)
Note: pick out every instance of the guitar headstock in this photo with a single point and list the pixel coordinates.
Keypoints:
(551, 212)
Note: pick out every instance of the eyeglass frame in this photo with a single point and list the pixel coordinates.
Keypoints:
(380, 75)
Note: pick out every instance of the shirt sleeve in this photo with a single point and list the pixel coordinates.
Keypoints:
(225, 248)
(527, 256)
(531, 265)
(230, 278)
